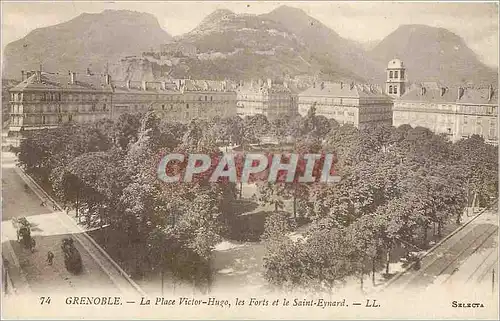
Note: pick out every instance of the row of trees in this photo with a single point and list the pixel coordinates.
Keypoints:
(397, 183)
(106, 172)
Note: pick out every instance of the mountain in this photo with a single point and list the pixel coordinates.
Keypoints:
(320, 39)
(368, 45)
(89, 40)
(248, 46)
(433, 54)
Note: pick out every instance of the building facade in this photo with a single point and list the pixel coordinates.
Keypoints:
(354, 104)
(458, 112)
(268, 99)
(45, 100)
(395, 85)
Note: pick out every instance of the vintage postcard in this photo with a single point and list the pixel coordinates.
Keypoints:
(249, 160)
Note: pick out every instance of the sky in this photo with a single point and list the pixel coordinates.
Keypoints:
(363, 21)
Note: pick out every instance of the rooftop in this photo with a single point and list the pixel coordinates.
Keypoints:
(344, 90)
(45, 80)
(438, 93)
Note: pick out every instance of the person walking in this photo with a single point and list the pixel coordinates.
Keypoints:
(50, 257)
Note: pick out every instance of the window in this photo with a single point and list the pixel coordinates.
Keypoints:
(162, 107)
(70, 117)
(402, 74)
(493, 130)
(396, 74)
(465, 120)
(390, 88)
(104, 107)
(211, 98)
(205, 98)
(93, 107)
(187, 106)
(59, 118)
(390, 74)
(43, 119)
(395, 89)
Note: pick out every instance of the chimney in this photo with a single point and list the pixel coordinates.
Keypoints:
(460, 93)
(128, 83)
(22, 75)
(490, 92)
(269, 83)
(422, 91)
(322, 85)
(341, 85)
(163, 85)
(144, 85)
(72, 77)
(351, 86)
(443, 91)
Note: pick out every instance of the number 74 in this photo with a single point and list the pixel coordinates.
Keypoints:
(45, 300)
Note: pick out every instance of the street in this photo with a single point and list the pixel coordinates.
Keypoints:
(468, 258)
(30, 272)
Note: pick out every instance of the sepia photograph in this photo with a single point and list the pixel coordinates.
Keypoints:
(325, 160)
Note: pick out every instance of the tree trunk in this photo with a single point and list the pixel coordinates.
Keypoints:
(162, 282)
(77, 203)
(387, 260)
(424, 236)
(440, 229)
(241, 188)
(361, 280)
(468, 201)
(474, 199)
(373, 271)
(295, 203)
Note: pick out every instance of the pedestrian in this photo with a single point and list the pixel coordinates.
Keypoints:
(43, 203)
(54, 206)
(50, 257)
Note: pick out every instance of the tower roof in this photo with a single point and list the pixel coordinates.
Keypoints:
(395, 64)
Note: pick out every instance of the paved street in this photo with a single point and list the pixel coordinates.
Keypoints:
(29, 271)
(466, 258)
